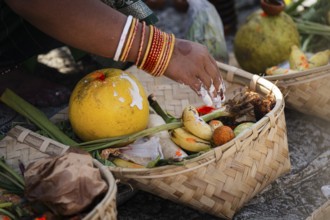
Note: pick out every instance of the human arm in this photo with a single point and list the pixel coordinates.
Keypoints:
(96, 28)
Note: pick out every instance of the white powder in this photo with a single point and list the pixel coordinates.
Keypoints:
(205, 96)
(135, 92)
(121, 99)
(208, 97)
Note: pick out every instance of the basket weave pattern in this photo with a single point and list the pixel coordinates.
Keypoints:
(219, 186)
(321, 213)
(26, 146)
(222, 180)
(172, 96)
(307, 91)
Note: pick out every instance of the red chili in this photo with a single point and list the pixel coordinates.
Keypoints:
(41, 218)
(203, 110)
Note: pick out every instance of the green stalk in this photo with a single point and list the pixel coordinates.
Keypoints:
(150, 131)
(133, 137)
(221, 112)
(306, 42)
(5, 205)
(12, 181)
(7, 213)
(36, 116)
(312, 27)
(9, 170)
(155, 106)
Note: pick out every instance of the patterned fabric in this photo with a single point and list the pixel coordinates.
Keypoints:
(136, 8)
(19, 40)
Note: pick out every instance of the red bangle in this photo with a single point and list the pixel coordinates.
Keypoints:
(162, 54)
(157, 52)
(157, 71)
(152, 54)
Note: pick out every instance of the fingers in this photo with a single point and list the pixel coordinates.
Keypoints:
(213, 81)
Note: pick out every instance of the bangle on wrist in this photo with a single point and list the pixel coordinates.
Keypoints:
(123, 38)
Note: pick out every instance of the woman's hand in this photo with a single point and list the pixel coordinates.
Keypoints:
(191, 64)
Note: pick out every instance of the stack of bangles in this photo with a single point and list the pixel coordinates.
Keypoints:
(158, 51)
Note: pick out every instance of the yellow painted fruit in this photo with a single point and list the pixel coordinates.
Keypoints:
(108, 103)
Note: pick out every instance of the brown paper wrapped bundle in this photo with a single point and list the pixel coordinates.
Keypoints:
(67, 184)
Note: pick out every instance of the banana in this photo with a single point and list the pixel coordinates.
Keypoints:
(188, 141)
(195, 124)
(126, 164)
(319, 59)
(169, 149)
(275, 70)
(297, 59)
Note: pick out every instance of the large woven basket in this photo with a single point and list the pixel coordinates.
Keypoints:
(322, 213)
(23, 145)
(306, 91)
(222, 180)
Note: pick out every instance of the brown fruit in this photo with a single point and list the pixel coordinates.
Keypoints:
(222, 135)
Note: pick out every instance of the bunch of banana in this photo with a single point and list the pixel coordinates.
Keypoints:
(188, 141)
(299, 61)
(319, 59)
(196, 134)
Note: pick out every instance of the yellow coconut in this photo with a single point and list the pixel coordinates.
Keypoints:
(108, 103)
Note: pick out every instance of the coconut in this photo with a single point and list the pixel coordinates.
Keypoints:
(264, 41)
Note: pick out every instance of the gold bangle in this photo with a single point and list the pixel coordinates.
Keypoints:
(162, 71)
(128, 39)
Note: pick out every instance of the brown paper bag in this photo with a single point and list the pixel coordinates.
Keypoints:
(67, 184)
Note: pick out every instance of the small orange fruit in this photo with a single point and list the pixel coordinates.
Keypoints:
(222, 135)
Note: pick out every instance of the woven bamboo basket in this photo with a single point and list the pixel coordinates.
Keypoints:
(322, 213)
(222, 180)
(306, 91)
(26, 146)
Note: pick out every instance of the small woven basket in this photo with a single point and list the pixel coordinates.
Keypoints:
(322, 213)
(26, 146)
(306, 91)
(222, 180)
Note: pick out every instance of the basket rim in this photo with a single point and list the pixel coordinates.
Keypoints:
(231, 74)
(99, 209)
(319, 71)
(320, 212)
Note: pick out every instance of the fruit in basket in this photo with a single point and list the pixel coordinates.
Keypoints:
(214, 124)
(169, 148)
(297, 59)
(108, 103)
(276, 70)
(222, 135)
(195, 124)
(126, 164)
(241, 127)
(264, 41)
(319, 59)
(188, 141)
